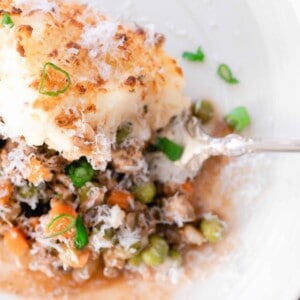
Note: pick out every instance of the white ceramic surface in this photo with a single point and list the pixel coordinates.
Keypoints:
(260, 40)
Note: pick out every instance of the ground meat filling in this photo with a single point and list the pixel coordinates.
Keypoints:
(67, 217)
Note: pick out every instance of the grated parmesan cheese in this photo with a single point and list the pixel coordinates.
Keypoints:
(169, 272)
(18, 160)
(128, 238)
(28, 6)
(100, 40)
(32, 201)
(151, 35)
(178, 209)
(97, 241)
(111, 217)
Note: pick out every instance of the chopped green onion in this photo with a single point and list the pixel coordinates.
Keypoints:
(194, 56)
(81, 236)
(123, 132)
(144, 192)
(225, 73)
(44, 77)
(172, 150)
(238, 119)
(80, 172)
(66, 229)
(204, 111)
(7, 21)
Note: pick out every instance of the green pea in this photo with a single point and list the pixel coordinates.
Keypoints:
(27, 191)
(145, 192)
(204, 111)
(135, 261)
(123, 133)
(83, 192)
(160, 244)
(212, 229)
(152, 258)
(176, 256)
(80, 172)
(156, 253)
(136, 246)
(109, 233)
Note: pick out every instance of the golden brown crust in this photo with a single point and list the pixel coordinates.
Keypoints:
(74, 57)
(65, 32)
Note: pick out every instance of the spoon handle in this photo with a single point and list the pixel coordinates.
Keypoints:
(235, 145)
(258, 145)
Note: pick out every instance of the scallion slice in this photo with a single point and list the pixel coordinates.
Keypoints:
(7, 21)
(238, 119)
(172, 150)
(194, 56)
(81, 237)
(81, 233)
(53, 93)
(66, 229)
(226, 74)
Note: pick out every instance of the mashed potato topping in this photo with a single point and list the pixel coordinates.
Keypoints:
(118, 74)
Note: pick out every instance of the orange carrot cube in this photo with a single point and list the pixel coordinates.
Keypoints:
(15, 241)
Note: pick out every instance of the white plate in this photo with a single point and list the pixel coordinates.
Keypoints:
(260, 41)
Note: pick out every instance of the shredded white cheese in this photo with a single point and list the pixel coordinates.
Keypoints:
(151, 35)
(97, 241)
(128, 238)
(31, 5)
(18, 164)
(111, 217)
(100, 40)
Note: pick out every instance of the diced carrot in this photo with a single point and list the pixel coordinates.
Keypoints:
(37, 172)
(6, 189)
(15, 241)
(74, 258)
(58, 208)
(121, 198)
(187, 187)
